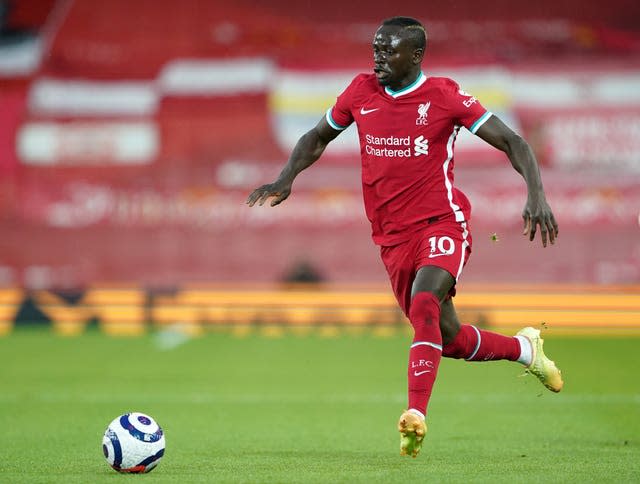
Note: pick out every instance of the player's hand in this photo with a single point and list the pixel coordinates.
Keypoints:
(278, 191)
(540, 215)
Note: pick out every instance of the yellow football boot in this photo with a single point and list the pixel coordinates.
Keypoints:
(412, 430)
(541, 366)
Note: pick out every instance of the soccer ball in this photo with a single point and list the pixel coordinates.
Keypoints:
(133, 443)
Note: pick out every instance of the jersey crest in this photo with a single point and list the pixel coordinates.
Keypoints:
(423, 111)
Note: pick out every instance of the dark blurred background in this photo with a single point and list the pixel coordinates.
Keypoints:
(131, 132)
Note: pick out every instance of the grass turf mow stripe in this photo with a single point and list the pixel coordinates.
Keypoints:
(308, 408)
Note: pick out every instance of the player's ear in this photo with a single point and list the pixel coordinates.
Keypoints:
(418, 54)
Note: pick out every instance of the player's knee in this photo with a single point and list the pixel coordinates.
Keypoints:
(424, 310)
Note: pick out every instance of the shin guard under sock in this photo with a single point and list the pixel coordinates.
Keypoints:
(426, 349)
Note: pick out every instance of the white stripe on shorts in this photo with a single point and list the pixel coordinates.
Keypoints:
(465, 244)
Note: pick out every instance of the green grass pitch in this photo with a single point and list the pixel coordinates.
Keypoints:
(310, 408)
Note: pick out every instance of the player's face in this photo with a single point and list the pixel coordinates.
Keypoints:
(396, 61)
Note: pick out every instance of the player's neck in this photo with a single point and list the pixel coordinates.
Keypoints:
(405, 85)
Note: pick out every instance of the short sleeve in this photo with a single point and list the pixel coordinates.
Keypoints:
(466, 109)
(340, 115)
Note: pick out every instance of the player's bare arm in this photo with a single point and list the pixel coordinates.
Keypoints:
(308, 149)
(536, 211)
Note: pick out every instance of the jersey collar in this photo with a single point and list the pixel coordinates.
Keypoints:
(410, 88)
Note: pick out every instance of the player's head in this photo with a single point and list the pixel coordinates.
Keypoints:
(398, 49)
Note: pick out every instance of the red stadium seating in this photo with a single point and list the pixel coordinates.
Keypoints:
(126, 155)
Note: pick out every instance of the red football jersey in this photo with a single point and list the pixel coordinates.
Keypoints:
(406, 143)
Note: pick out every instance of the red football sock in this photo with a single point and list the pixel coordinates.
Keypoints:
(475, 344)
(426, 350)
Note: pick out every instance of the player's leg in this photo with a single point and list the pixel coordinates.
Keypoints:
(399, 262)
(449, 323)
(473, 344)
(429, 288)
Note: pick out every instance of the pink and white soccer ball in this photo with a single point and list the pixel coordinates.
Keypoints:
(134, 443)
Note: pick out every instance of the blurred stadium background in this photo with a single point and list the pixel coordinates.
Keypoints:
(132, 132)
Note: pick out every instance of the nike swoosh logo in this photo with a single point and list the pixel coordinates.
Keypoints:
(418, 373)
(431, 256)
(364, 111)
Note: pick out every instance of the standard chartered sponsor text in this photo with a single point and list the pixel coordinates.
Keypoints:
(388, 152)
(390, 146)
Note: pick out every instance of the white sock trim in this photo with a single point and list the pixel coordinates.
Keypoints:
(526, 350)
(416, 412)
(475, 351)
(427, 343)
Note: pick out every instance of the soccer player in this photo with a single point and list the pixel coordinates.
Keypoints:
(407, 125)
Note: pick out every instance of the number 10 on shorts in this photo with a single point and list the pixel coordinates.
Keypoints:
(441, 246)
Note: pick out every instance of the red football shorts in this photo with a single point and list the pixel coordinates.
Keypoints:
(443, 243)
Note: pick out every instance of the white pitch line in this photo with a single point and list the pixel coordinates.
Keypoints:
(206, 399)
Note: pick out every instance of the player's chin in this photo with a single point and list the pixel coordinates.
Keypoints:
(383, 80)
(383, 77)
